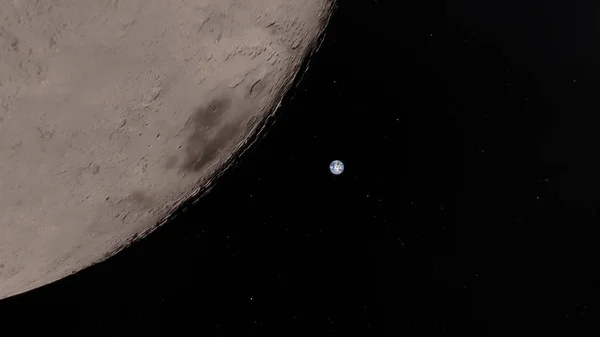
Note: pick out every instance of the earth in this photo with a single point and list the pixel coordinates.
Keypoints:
(113, 113)
(336, 167)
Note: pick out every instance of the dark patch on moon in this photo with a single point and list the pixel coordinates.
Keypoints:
(200, 148)
(141, 199)
(171, 162)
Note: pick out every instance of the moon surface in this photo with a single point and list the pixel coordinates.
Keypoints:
(113, 113)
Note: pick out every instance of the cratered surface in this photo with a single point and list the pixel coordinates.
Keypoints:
(115, 112)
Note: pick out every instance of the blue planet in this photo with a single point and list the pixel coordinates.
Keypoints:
(336, 167)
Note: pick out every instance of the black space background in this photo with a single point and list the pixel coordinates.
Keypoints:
(468, 204)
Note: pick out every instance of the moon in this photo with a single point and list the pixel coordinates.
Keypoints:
(113, 113)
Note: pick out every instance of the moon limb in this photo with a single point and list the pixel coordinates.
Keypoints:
(106, 131)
